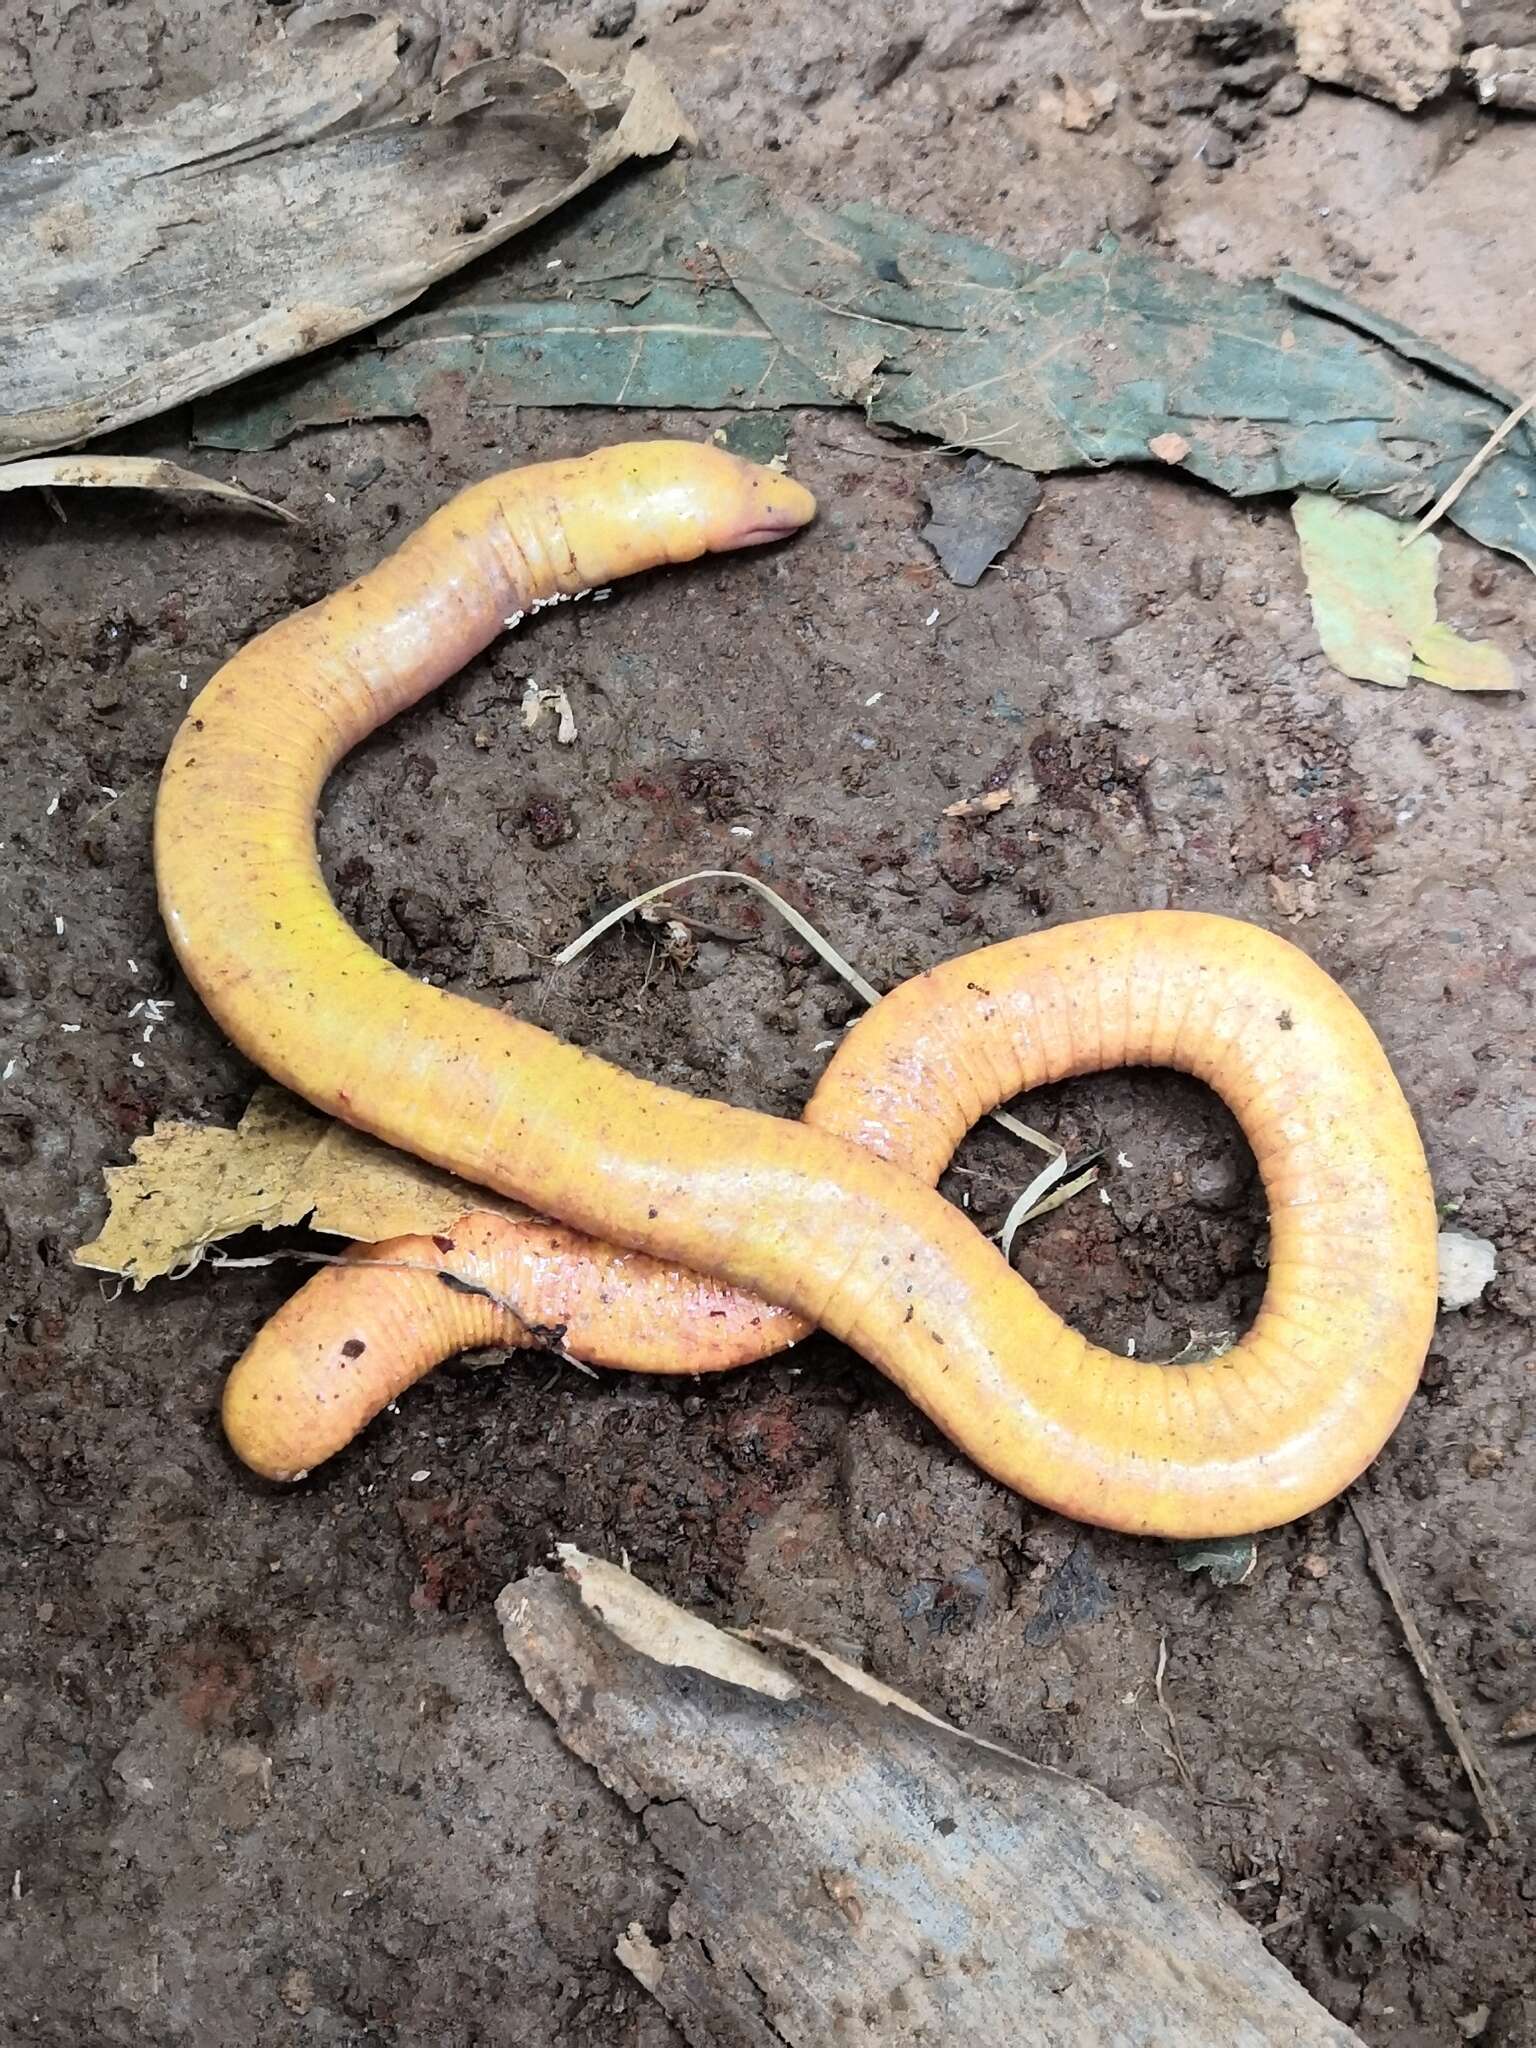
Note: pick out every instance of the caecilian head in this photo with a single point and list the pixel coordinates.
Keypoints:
(672, 501)
(756, 504)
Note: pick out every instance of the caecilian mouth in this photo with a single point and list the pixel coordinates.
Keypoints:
(769, 530)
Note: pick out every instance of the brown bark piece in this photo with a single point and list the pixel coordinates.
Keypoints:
(851, 1868)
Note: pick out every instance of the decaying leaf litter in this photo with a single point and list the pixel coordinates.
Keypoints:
(129, 473)
(192, 1185)
(1372, 583)
(696, 285)
(347, 171)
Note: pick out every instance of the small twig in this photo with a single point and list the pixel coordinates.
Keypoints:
(1484, 455)
(1175, 1755)
(1151, 12)
(1492, 1808)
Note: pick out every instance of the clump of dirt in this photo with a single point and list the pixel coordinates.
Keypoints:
(272, 1775)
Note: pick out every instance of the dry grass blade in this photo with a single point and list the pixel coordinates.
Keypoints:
(844, 968)
(1175, 1751)
(787, 911)
(1484, 455)
(130, 473)
(1489, 1804)
(1058, 1197)
(1027, 1203)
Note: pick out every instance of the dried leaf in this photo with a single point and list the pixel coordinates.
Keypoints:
(1444, 657)
(692, 285)
(1230, 1560)
(1373, 601)
(128, 473)
(759, 437)
(192, 1184)
(329, 186)
(536, 700)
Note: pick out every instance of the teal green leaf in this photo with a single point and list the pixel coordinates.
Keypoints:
(694, 286)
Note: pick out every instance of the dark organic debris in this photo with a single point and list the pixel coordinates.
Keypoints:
(977, 513)
(1074, 1593)
(1230, 1560)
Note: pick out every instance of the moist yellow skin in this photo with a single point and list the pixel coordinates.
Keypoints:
(814, 1216)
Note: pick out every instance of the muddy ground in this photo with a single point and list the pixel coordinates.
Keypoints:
(268, 1773)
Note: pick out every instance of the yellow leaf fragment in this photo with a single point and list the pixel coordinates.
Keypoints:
(192, 1184)
(1373, 601)
(1443, 657)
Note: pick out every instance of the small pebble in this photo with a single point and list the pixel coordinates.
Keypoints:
(297, 1991)
(1195, 96)
(1207, 573)
(1289, 96)
(511, 960)
(612, 17)
(1216, 1183)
